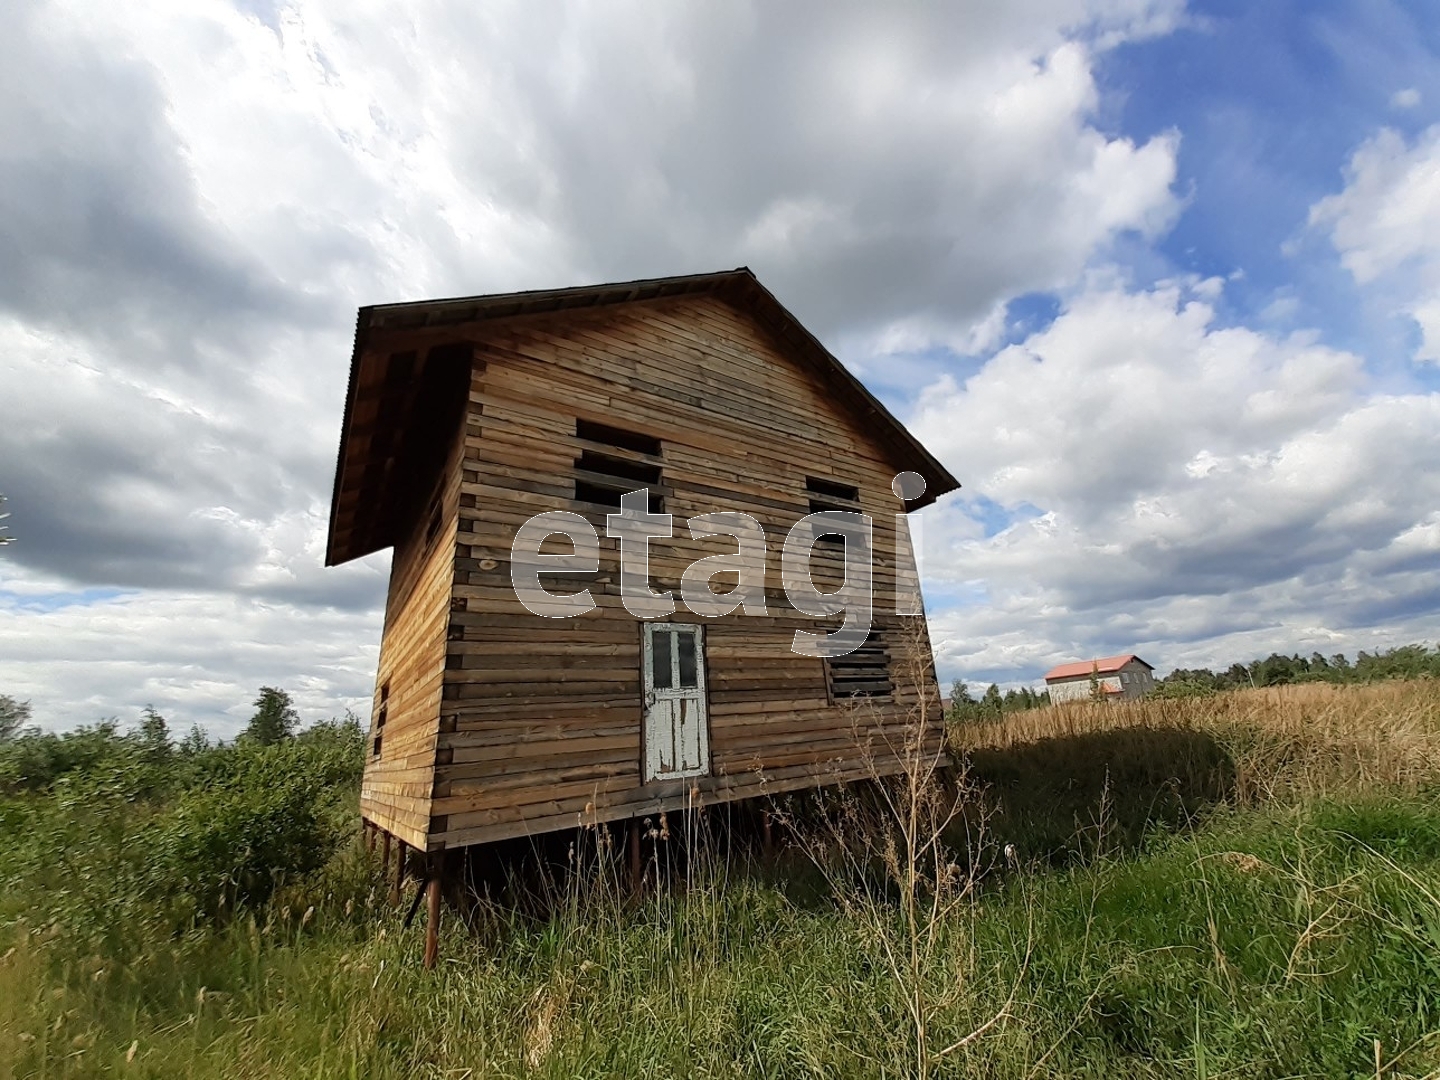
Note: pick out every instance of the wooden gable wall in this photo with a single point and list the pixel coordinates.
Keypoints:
(539, 720)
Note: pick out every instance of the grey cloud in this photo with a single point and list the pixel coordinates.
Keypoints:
(109, 486)
(634, 167)
(667, 148)
(101, 226)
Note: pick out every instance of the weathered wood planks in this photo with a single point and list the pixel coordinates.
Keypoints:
(503, 722)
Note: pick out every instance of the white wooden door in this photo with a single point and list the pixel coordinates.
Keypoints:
(677, 726)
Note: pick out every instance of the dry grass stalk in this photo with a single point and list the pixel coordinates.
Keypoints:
(883, 845)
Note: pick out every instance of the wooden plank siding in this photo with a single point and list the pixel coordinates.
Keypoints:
(518, 724)
(398, 783)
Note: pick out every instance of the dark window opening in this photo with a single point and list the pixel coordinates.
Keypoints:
(601, 478)
(613, 436)
(832, 496)
(381, 714)
(832, 489)
(864, 673)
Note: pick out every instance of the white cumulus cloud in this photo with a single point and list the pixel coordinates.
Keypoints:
(1386, 226)
(1196, 483)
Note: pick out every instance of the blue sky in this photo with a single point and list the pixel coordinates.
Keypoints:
(1271, 99)
(1153, 278)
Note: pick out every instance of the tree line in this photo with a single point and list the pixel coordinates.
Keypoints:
(964, 707)
(1277, 669)
(1402, 662)
(32, 759)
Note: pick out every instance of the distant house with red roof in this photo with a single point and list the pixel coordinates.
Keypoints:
(1125, 676)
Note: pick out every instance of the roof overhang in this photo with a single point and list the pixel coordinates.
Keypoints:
(386, 391)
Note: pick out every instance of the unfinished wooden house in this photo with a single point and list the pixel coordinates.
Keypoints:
(466, 417)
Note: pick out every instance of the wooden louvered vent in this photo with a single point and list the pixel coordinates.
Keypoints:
(864, 673)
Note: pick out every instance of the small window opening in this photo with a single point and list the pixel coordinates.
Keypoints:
(601, 478)
(380, 717)
(864, 673)
(832, 489)
(831, 495)
(613, 436)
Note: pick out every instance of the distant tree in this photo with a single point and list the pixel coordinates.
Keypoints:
(155, 734)
(1020, 700)
(196, 742)
(14, 715)
(1414, 661)
(5, 538)
(275, 717)
(1097, 690)
(993, 702)
(1238, 675)
(965, 708)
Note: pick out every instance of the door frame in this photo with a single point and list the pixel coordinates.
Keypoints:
(648, 695)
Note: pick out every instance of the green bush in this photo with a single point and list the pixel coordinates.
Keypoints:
(258, 814)
(119, 830)
(1183, 689)
(231, 843)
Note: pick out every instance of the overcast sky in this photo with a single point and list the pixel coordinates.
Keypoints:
(1157, 282)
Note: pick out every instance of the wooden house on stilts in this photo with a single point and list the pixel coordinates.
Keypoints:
(466, 418)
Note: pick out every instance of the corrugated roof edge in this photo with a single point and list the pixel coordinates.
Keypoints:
(1103, 666)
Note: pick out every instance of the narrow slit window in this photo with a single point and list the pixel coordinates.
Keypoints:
(833, 489)
(381, 714)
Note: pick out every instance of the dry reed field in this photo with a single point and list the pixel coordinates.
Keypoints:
(1299, 741)
(1056, 775)
(1304, 737)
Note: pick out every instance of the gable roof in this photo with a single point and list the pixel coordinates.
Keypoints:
(1106, 666)
(361, 519)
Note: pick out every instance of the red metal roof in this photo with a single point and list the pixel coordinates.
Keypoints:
(1105, 666)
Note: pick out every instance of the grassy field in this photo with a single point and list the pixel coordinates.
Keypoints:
(1246, 885)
